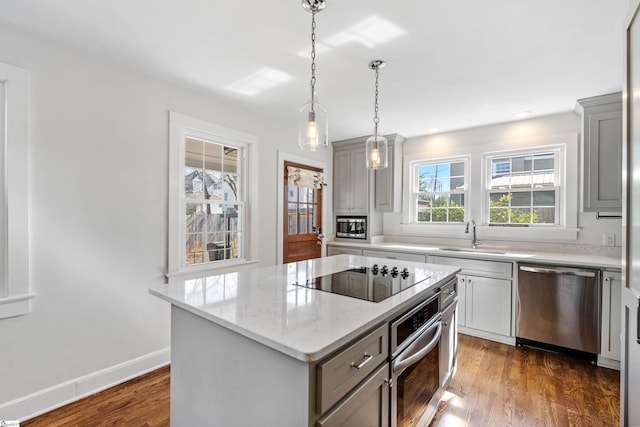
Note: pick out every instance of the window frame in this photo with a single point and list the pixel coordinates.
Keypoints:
(414, 165)
(182, 127)
(15, 292)
(560, 171)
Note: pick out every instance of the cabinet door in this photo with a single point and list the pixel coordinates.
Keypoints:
(488, 304)
(448, 344)
(341, 174)
(462, 304)
(611, 321)
(605, 157)
(359, 186)
(366, 406)
(384, 182)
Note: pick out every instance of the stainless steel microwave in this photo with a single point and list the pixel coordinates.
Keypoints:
(351, 227)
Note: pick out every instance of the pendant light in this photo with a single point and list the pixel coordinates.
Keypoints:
(376, 144)
(313, 126)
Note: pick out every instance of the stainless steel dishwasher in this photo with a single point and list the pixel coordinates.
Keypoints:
(559, 307)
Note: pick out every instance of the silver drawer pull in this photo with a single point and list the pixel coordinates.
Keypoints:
(450, 291)
(367, 359)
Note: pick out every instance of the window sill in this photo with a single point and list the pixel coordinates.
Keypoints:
(15, 305)
(531, 234)
(222, 268)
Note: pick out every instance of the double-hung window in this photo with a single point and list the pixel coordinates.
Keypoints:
(439, 191)
(213, 201)
(209, 199)
(524, 188)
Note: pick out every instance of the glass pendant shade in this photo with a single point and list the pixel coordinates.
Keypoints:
(313, 127)
(376, 152)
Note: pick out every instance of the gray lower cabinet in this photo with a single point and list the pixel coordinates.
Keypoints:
(488, 304)
(485, 297)
(352, 385)
(610, 344)
(367, 405)
(448, 344)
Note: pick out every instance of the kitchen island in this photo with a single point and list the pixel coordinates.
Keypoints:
(246, 346)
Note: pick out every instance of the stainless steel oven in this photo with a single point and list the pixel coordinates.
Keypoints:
(351, 227)
(415, 363)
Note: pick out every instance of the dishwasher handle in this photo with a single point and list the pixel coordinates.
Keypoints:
(558, 270)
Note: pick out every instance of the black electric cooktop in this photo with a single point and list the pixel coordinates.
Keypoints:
(368, 283)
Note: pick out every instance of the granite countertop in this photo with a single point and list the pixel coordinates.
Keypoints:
(307, 324)
(573, 259)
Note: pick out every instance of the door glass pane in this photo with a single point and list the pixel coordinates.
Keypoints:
(293, 193)
(293, 218)
(302, 215)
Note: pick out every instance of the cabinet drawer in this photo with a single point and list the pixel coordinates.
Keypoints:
(337, 250)
(395, 255)
(499, 269)
(339, 374)
(449, 291)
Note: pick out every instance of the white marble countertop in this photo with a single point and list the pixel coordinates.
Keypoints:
(307, 324)
(497, 254)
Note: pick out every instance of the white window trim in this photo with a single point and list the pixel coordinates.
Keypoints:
(558, 151)
(410, 225)
(567, 229)
(181, 127)
(570, 178)
(16, 198)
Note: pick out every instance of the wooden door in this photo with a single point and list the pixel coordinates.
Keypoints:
(302, 237)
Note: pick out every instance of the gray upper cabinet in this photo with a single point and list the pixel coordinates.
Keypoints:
(602, 148)
(388, 181)
(350, 177)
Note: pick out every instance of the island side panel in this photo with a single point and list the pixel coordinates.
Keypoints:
(220, 378)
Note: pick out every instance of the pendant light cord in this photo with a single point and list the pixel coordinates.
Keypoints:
(375, 111)
(313, 58)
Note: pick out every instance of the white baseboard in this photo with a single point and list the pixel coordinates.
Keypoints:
(59, 395)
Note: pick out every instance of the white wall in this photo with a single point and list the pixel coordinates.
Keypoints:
(98, 221)
(476, 141)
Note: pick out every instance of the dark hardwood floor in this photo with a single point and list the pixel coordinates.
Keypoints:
(495, 385)
(501, 385)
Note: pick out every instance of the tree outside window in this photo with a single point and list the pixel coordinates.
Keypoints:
(440, 192)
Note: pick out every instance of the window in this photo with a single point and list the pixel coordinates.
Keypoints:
(439, 191)
(210, 194)
(524, 188)
(15, 295)
(213, 202)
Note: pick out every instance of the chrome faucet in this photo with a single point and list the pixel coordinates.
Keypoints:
(474, 242)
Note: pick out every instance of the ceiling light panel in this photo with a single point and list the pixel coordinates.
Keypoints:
(261, 80)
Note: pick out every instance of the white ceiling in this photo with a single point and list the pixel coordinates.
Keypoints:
(453, 63)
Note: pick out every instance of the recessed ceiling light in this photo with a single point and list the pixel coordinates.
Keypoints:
(261, 80)
(522, 114)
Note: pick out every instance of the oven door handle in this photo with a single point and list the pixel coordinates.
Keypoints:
(418, 349)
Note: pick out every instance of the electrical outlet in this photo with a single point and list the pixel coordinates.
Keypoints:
(608, 240)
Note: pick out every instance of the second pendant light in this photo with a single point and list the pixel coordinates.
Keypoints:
(376, 146)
